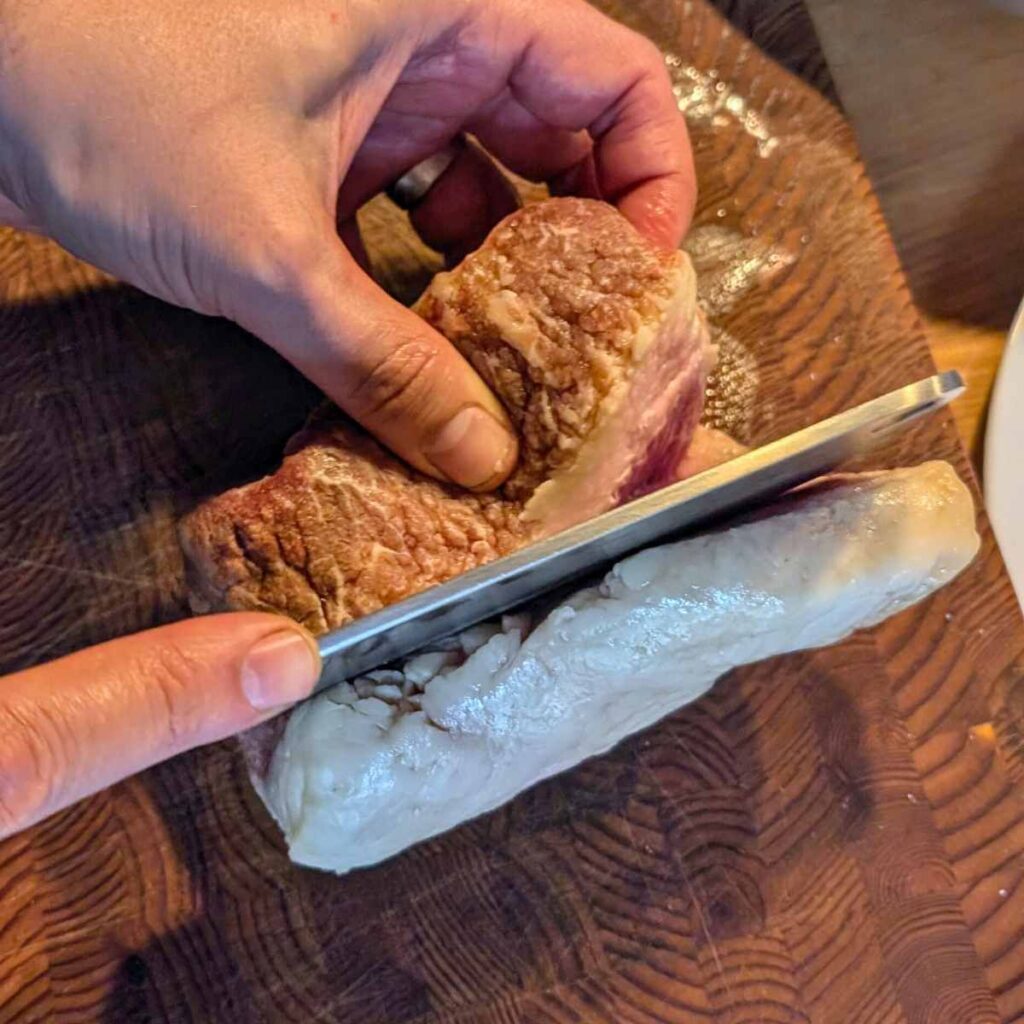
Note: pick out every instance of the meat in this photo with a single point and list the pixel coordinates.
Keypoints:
(708, 448)
(369, 768)
(340, 530)
(592, 339)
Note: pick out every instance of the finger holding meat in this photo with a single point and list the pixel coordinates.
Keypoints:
(591, 338)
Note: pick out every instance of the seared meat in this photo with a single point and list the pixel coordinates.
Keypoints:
(341, 529)
(592, 339)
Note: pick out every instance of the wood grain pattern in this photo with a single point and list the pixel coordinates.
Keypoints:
(835, 836)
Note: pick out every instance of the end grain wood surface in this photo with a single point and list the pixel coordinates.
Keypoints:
(976, 352)
(834, 836)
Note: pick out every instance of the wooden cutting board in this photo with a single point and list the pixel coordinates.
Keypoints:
(830, 837)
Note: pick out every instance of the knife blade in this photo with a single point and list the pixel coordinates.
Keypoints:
(763, 473)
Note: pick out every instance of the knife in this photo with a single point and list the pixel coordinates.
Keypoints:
(766, 472)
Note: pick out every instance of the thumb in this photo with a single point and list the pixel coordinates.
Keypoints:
(77, 725)
(382, 364)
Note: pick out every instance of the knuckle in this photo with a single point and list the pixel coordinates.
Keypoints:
(655, 57)
(398, 383)
(173, 677)
(648, 55)
(285, 261)
(31, 766)
(293, 257)
(645, 64)
(290, 277)
(276, 252)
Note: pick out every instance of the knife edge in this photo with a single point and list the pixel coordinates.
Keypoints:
(762, 473)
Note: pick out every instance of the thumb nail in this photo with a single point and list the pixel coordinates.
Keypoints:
(473, 449)
(280, 669)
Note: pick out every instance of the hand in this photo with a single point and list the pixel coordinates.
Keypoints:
(211, 151)
(79, 724)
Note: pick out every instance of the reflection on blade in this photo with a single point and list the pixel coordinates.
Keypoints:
(757, 475)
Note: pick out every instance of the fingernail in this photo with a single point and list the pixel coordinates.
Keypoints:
(473, 449)
(280, 669)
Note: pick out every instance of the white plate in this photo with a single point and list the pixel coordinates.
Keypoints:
(1004, 455)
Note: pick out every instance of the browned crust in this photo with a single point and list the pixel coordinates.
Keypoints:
(339, 531)
(581, 282)
(343, 528)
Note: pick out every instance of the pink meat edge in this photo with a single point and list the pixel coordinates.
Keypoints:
(637, 447)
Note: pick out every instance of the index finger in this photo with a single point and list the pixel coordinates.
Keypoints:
(579, 70)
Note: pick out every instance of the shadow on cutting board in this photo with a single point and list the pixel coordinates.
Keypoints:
(119, 412)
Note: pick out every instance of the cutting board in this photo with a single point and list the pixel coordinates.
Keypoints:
(831, 837)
